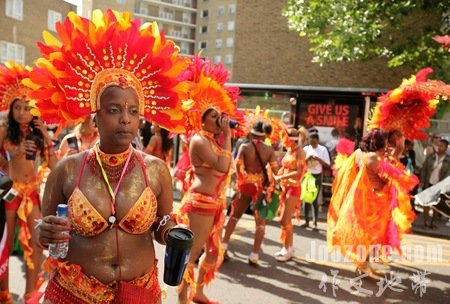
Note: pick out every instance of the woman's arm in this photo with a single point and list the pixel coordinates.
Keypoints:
(164, 195)
(151, 147)
(3, 160)
(48, 143)
(201, 151)
(51, 228)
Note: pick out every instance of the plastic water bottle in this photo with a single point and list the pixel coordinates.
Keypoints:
(59, 250)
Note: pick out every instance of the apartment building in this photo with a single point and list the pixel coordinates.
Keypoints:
(176, 17)
(216, 28)
(22, 23)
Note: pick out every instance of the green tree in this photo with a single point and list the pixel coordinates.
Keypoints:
(350, 30)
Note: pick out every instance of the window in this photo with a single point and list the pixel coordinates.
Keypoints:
(52, 18)
(230, 42)
(184, 46)
(230, 25)
(203, 45)
(217, 59)
(14, 9)
(205, 13)
(122, 1)
(232, 9)
(187, 17)
(229, 59)
(203, 29)
(221, 11)
(219, 27)
(12, 51)
(218, 43)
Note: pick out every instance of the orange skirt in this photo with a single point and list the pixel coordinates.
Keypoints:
(71, 286)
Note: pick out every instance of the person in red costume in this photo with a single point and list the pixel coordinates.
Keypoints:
(119, 198)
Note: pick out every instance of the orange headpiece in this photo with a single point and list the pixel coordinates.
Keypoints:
(409, 107)
(110, 50)
(11, 88)
(207, 90)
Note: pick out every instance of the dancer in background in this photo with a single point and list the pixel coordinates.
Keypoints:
(23, 204)
(118, 197)
(209, 105)
(289, 177)
(83, 138)
(370, 207)
(160, 144)
(252, 160)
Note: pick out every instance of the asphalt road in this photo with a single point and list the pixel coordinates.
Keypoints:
(302, 280)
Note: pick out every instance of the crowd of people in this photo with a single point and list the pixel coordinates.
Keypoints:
(117, 182)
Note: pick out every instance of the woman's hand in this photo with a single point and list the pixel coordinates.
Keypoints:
(30, 146)
(225, 125)
(40, 125)
(53, 229)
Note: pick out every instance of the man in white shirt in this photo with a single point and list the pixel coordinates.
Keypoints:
(317, 157)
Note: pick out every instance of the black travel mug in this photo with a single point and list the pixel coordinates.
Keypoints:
(31, 155)
(178, 252)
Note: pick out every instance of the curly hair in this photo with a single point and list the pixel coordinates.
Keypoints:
(373, 141)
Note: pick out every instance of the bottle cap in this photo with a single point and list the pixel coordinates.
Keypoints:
(61, 209)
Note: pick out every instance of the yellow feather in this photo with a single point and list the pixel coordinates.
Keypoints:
(97, 18)
(49, 39)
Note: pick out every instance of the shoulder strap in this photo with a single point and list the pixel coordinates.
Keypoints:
(261, 162)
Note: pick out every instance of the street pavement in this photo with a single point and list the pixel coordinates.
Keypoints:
(314, 276)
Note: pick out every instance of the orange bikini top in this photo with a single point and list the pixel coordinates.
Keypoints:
(87, 221)
(289, 161)
(215, 147)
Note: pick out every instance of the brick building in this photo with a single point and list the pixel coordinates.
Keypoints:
(22, 23)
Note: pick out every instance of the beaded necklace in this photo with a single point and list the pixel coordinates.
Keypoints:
(112, 164)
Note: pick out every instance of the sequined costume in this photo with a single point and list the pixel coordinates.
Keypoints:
(86, 221)
(290, 186)
(361, 217)
(28, 198)
(208, 205)
(71, 286)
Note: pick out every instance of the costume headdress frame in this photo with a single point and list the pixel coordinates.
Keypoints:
(409, 107)
(109, 50)
(207, 90)
(11, 87)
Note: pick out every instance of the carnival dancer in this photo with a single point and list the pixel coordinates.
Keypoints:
(160, 144)
(23, 203)
(252, 160)
(370, 208)
(83, 137)
(118, 197)
(289, 176)
(209, 105)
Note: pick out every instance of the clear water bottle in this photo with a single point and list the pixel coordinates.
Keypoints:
(59, 250)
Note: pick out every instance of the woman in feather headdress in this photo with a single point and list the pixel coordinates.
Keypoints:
(119, 199)
(23, 202)
(209, 107)
(370, 208)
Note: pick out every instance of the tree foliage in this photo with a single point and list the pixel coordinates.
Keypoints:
(349, 30)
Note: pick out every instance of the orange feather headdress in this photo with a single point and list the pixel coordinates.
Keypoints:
(11, 88)
(206, 89)
(110, 50)
(409, 107)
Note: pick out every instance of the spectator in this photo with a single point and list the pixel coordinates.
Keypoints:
(317, 158)
(435, 169)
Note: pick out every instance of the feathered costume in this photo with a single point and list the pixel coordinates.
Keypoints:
(11, 88)
(207, 90)
(360, 215)
(77, 67)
